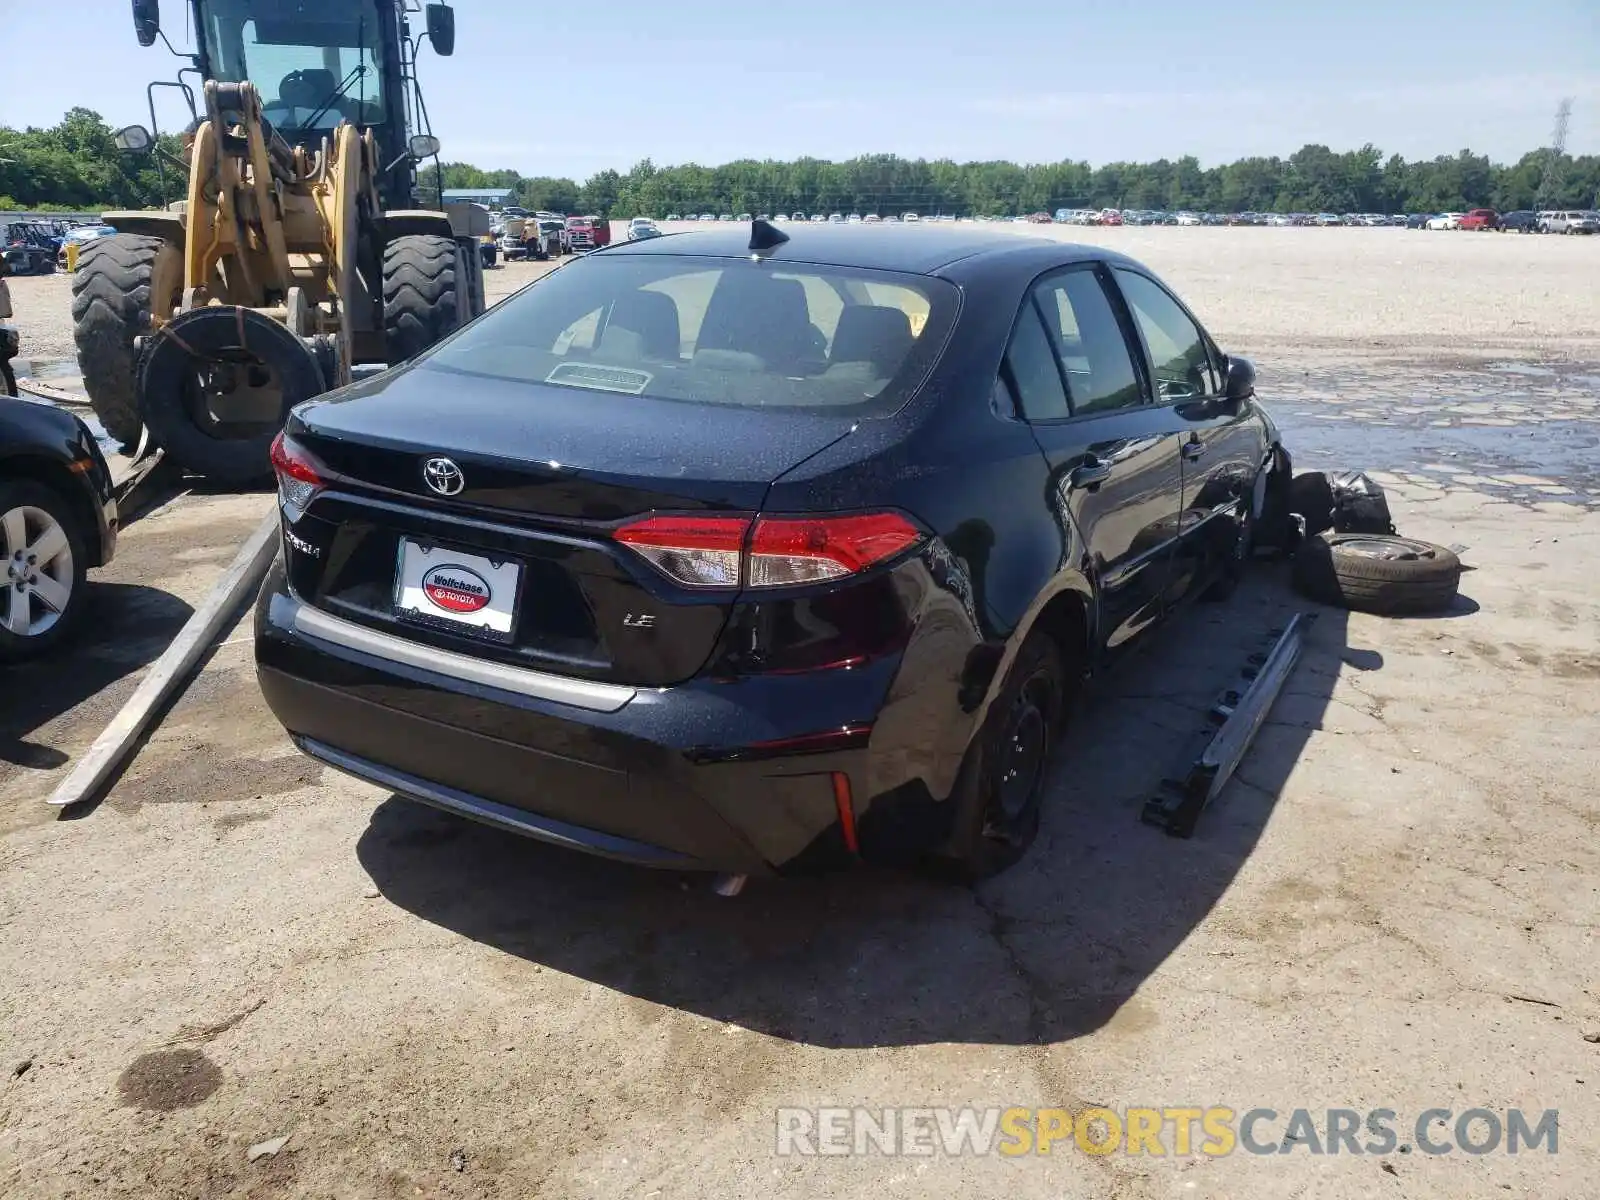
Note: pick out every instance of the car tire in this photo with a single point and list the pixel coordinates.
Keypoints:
(999, 790)
(1377, 573)
(33, 508)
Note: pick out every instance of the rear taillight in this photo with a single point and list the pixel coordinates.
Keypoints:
(785, 550)
(725, 552)
(299, 476)
(695, 551)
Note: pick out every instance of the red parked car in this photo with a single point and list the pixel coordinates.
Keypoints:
(588, 233)
(1480, 218)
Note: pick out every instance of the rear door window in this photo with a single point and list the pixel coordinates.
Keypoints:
(1029, 369)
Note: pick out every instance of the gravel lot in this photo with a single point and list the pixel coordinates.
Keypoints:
(1394, 905)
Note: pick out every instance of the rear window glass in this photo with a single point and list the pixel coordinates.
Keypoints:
(714, 331)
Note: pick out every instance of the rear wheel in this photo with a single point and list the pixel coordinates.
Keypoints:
(120, 280)
(999, 792)
(423, 294)
(45, 566)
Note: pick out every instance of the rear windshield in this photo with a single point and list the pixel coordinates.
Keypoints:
(714, 331)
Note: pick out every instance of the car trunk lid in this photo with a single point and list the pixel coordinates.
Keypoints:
(546, 475)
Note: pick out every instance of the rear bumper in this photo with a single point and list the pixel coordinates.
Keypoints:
(666, 777)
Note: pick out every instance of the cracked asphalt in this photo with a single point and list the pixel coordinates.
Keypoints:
(1393, 905)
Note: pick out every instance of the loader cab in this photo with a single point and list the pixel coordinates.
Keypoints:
(318, 62)
(315, 62)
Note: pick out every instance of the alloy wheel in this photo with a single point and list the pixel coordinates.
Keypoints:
(39, 571)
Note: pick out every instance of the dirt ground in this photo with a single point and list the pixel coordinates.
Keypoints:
(1394, 905)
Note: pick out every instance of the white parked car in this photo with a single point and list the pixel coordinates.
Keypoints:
(1188, 218)
(1445, 221)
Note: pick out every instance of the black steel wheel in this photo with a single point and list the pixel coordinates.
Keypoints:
(999, 793)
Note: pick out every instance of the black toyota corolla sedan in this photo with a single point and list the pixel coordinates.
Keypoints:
(744, 552)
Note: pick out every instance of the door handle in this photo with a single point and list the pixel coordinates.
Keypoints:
(1193, 449)
(1091, 474)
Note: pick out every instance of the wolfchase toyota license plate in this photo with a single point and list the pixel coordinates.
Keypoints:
(453, 589)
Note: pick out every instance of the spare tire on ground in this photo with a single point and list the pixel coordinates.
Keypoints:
(1378, 573)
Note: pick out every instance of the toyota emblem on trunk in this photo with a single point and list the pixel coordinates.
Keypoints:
(443, 476)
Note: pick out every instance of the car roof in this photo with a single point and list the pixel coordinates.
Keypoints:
(922, 251)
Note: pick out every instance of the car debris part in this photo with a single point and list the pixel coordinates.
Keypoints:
(1359, 505)
(1277, 533)
(1311, 495)
(1177, 805)
(98, 766)
(1378, 573)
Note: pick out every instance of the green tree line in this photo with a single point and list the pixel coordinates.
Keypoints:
(1313, 179)
(74, 165)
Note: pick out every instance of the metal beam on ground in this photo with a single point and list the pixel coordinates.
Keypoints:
(97, 768)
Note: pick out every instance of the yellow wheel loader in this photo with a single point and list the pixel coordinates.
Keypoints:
(299, 249)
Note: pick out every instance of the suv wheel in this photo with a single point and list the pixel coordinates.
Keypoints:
(45, 566)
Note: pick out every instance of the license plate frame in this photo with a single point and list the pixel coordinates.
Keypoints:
(418, 558)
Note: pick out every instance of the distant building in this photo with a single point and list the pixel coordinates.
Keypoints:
(493, 197)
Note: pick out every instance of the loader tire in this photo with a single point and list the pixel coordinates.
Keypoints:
(423, 289)
(1378, 573)
(118, 281)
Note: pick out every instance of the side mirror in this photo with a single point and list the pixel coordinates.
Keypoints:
(423, 145)
(146, 21)
(1240, 384)
(441, 28)
(133, 139)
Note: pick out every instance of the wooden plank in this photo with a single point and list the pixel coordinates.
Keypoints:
(98, 767)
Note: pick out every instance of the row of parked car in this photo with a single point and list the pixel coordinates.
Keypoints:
(1557, 221)
(837, 218)
(1520, 221)
(38, 247)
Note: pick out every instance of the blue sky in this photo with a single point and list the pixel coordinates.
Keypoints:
(567, 89)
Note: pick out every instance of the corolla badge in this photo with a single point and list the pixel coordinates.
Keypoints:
(443, 476)
(456, 589)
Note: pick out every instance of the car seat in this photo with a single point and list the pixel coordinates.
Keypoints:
(875, 334)
(759, 315)
(643, 324)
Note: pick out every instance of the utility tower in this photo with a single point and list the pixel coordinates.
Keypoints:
(1550, 186)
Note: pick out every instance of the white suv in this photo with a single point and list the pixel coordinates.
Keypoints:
(1569, 221)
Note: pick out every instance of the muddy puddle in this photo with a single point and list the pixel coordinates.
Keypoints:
(1527, 432)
